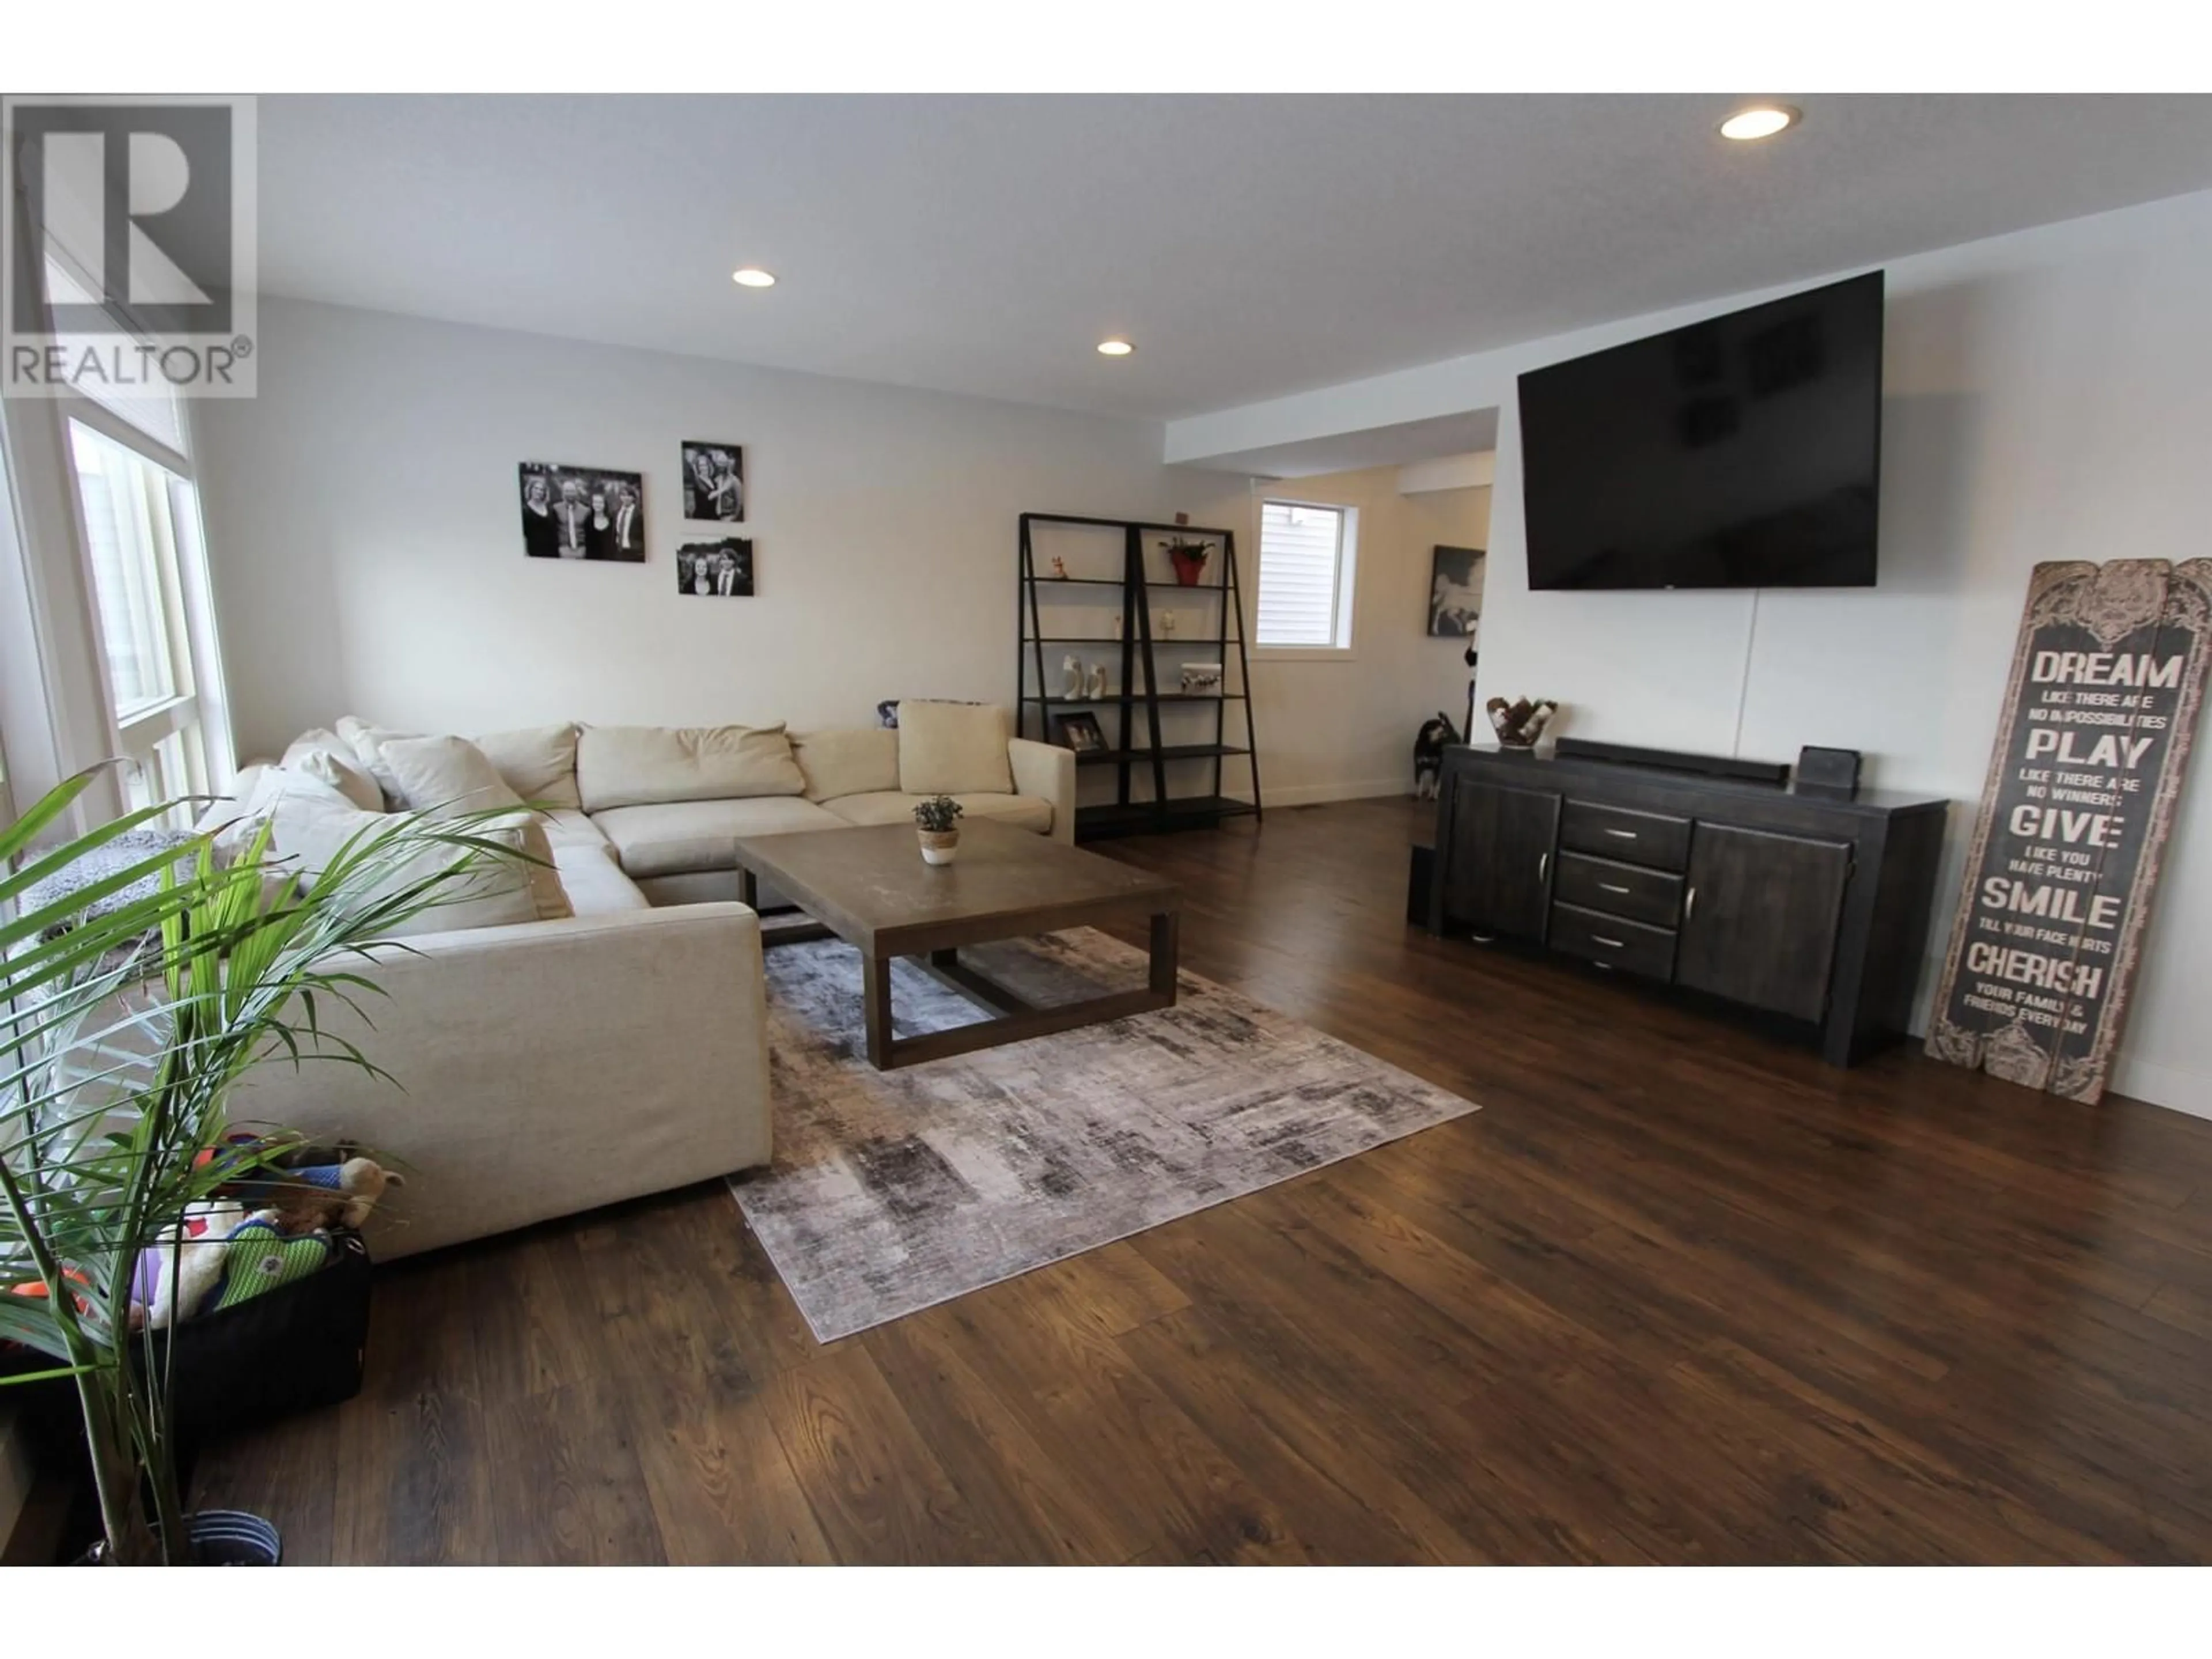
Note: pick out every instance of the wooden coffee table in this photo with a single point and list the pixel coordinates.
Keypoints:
(869, 888)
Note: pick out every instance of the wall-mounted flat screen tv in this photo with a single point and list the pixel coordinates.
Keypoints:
(1740, 452)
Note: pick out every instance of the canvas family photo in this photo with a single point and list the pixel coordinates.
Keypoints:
(1456, 592)
(715, 481)
(583, 513)
(715, 570)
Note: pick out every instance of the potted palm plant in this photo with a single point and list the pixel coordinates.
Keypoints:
(937, 823)
(128, 1010)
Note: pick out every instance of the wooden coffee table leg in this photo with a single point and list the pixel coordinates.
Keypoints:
(876, 996)
(1163, 955)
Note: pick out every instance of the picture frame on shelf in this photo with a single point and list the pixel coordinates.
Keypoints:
(1080, 732)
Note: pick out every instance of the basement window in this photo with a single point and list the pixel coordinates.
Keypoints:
(1306, 558)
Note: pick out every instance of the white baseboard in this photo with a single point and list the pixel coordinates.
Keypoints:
(1314, 794)
(2164, 1085)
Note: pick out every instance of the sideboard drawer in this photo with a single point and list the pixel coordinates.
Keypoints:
(1612, 943)
(1618, 890)
(1617, 832)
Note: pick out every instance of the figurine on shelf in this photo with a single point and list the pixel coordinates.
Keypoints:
(1094, 682)
(1059, 568)
(1071, 678)
(1166, 629)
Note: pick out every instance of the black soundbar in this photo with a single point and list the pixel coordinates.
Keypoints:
(1712, 766)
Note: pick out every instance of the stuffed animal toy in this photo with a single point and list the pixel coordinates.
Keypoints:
(261, 1256)
(329, 1193)
(223, 1256)
(321, 1195)
(176, 1276)
(1429, 754)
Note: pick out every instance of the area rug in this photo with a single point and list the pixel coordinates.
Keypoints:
(893, 1191)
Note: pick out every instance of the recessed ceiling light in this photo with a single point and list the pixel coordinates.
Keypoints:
(1114, 348)
(752, 276)
(1760, 121)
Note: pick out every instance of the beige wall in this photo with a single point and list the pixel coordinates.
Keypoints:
(1335, 728)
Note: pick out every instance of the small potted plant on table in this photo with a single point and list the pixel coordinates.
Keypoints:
(937, 822)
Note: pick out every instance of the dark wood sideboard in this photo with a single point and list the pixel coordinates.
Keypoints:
(1807, 906)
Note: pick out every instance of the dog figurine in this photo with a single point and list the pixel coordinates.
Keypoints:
(1429, 754)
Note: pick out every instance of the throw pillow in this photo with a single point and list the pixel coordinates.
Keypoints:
(235, 820)
(644, 765)
(953, 749)
(350, 780)
(315, 823)
(326, 756)
(538, 762)
(367, 743)
(446, 777)
(857, 761)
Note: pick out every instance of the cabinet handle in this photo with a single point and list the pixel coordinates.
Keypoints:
(1607, 887)
(1609, 944)
(1689, 904)
(1543, 863)
(1625, 835)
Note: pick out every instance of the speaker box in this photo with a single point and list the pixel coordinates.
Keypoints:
(1828, 768)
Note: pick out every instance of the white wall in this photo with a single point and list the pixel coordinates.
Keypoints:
(367, 555)
(2047, 395)
(1336, 728)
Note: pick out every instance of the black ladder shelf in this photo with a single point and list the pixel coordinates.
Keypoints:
(1137, 742)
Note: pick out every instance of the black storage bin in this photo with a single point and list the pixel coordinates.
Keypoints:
(288, 1350)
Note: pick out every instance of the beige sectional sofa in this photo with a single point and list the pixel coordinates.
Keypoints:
(607, 1040)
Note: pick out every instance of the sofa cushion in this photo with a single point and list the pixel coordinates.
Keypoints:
(592, 880)
(313, 824)
(538, 762)
(234, 820)
(896, 806)
(328, 757)
(647, 765)
(567, 828)
(444, 776)
(953, 749)
(670, 837)
(847, 761)
(367, 743)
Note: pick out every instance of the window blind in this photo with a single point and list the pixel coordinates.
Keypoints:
(1301, 573)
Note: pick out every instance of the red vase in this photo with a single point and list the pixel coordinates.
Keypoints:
(1188, 566)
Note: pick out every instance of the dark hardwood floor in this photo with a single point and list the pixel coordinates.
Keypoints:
(1676, 1294)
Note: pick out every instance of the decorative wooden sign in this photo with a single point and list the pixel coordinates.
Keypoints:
(2089, 760)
